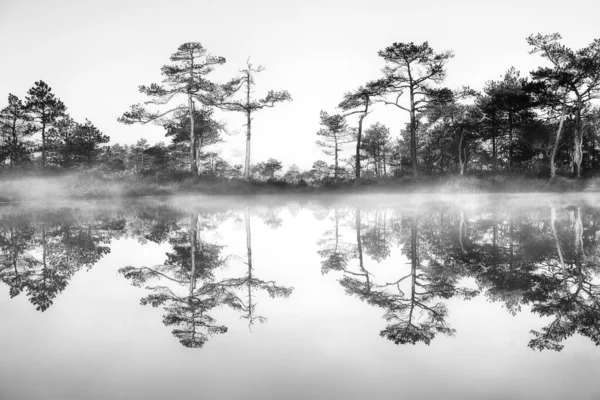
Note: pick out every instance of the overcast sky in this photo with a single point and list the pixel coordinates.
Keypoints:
(95, 54)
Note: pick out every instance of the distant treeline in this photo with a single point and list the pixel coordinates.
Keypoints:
(543, 123)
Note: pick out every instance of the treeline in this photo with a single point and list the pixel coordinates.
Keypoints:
(539, 123)
(543, 123)
(63, 142)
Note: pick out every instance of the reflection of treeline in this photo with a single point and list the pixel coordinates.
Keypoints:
(42, 250)
(546, 259)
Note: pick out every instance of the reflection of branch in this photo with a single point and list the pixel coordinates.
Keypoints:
(138, 277)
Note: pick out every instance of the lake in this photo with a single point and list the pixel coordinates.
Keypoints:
(312, 297)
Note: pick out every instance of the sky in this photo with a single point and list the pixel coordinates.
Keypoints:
(95, 54)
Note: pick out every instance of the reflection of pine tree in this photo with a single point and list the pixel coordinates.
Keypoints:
(414, 316)
(490, 249)
(528, 258)
(570, 293)
(16, 264)
(334, 252)
(271, 217)
(192, 264)
(375, 238)
(44, 253)
(250, 282)
(419, 316)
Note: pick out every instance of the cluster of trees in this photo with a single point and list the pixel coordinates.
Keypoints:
(544, 122)
(546, 257)
(63, 143)
(186, 77)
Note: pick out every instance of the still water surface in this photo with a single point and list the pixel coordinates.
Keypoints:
(302, 298)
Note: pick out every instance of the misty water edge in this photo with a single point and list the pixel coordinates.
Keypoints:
(301, 297)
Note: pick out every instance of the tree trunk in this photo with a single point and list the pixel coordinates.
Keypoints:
(413, 261)
(360, 249)
(359, 138)
(335, 173)
(462, 160)
(248, 240)
(249, 263)
(198, 153)
(193, 165)
(555, 147)
(195, 246)
(43, 145)
(511, 246)
(577, 150)
(510, 141)
(248, 124)
(462, 228)
(14, 137)
(556, 241)
(337, 231)
(413, 138)
(578, 236)
(578, 156)
(494, 146)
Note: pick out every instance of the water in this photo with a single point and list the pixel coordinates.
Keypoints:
(302, 298)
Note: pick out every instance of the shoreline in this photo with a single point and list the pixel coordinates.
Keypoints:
(84, 186)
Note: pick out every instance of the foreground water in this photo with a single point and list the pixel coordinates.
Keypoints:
(307, 298)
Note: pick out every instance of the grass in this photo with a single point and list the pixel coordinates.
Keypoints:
(90, 185)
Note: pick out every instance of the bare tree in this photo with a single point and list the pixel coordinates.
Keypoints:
(248, 106)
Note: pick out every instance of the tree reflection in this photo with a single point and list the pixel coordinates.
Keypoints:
(375, 239)
(543, 258)
(250, 282)
(334, 252)
(412, 302)
(192, 264)
(41, 253)
(421, 314)
(538, 260)
(570, 293)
